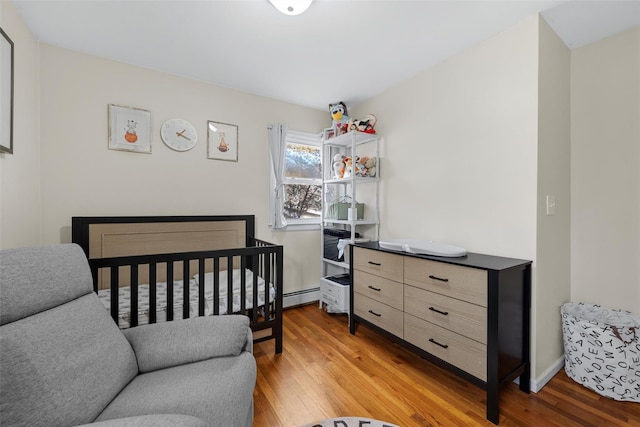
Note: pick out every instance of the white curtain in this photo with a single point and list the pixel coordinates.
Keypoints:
(278, 147)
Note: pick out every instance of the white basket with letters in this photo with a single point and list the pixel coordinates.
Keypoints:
(602, 349)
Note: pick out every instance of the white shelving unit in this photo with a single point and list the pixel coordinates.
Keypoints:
(334, 293)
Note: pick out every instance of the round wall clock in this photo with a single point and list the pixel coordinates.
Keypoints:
(179, 134)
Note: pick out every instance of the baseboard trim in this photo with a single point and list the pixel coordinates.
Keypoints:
(304, 296)
(542, 380)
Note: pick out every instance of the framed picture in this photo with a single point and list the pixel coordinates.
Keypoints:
(329, 133)
(222, 141)
(6, 93)
(129, 129)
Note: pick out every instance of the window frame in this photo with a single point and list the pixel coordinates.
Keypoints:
(297, 224)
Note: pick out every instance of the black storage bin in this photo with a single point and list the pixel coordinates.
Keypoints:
(331, 238)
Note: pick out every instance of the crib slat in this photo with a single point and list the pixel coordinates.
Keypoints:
(230, 273)
(216, 285)
(243, 285)
(152, 292)
(254, 286)
(169, 308)
(186, 300)
(267, 279)
(115, 305)
(201, 287)
(133, 315)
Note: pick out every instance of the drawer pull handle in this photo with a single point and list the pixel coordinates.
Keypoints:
(431, 276)
(444, 313)
(375, 314)
(375, 263)
(374, 289)
(437, 343)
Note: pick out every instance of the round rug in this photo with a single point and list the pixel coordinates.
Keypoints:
(350, 422)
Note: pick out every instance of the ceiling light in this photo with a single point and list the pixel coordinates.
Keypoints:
(291, 7)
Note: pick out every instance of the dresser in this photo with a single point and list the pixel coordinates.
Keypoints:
(470, 315)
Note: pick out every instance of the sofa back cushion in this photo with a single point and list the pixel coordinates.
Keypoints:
(60, 365)
(38, 278)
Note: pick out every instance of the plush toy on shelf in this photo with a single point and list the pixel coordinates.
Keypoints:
(338, 166)
(367, 167)
(348, 163)
(362, 125)
(339, 116)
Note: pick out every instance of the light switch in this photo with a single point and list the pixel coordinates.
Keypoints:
(551, 205)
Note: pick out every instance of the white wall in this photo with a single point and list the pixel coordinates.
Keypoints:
(81, 176)
(459, 148)
(553, 250)
(605, 172)
(20, 195)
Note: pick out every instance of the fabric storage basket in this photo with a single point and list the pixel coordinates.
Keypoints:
(339, 209)
(602, 349)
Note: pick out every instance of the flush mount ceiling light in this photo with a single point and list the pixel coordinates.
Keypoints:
(291, 7)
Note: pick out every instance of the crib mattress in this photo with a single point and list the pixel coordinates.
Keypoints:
(124, 297)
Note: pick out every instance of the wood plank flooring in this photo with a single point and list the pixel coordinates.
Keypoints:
(326, 372)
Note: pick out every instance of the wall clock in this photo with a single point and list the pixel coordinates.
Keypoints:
(179, 134)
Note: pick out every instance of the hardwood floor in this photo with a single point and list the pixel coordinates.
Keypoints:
(326, 372)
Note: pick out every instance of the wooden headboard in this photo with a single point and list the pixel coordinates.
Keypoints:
(103, 237)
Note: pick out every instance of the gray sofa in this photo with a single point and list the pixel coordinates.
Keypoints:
(64, 362)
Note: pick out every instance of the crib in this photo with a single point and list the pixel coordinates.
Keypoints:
(164, 268)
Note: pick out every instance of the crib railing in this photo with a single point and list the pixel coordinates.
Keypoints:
(263, 259)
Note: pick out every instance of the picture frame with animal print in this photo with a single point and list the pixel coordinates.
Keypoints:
(129, 129)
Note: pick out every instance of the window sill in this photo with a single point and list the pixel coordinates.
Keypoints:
(297, 227)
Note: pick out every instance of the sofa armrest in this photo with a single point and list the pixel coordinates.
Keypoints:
(164, 420)
(162, 345)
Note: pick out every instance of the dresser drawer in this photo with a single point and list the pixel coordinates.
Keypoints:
(379, 263)
(464, 283)
(378, 288)
(458, 316)
(465, 353)
(382, 315)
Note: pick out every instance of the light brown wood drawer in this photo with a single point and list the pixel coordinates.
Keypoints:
(382, 315)
(378, 288)
(379, 263)
(465, 353)
(458, 316)
(463, 283)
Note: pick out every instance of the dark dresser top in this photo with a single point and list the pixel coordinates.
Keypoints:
(474, 260)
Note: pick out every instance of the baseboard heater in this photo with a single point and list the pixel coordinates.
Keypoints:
(303, 296)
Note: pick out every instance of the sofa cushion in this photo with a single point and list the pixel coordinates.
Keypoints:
(39, 278)
(168, 420)
(62, 366)
(169, 344)
(219, 391)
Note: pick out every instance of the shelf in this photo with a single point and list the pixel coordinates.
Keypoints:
(347, 145)
(357, 179)
(346, 139)
(347, 222)
(336, 263)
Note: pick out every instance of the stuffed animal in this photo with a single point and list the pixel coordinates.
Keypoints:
(338, 166)
(363, 125)
(339, 115)
(367, 166)
(348, 162)
(370, 167)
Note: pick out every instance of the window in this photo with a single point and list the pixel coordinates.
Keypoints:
(296, 191)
